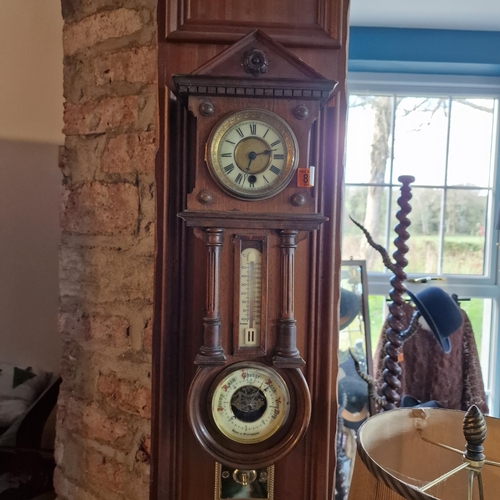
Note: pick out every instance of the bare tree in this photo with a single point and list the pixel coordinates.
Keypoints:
(381, 150)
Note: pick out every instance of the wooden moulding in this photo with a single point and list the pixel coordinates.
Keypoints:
(321, 28)
(301, 222)
(191, 85)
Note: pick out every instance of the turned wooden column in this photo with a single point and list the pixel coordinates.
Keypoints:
(211, 352)
(286, 354)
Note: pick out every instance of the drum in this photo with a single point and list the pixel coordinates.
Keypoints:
(417, 454)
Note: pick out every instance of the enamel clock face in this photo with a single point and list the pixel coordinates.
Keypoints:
(249, 402)
(252, 154)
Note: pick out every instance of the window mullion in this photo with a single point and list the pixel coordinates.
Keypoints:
(388, 229)
(445, 191)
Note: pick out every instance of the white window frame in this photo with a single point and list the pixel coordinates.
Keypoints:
(487, 286)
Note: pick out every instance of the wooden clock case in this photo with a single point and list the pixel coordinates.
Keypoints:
(224, 85)
(296, 228)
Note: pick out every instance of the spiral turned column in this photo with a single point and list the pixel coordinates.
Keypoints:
(391, 387)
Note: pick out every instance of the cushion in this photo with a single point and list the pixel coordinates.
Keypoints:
(20, 387)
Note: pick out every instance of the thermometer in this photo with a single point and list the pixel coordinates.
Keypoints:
(250, 297)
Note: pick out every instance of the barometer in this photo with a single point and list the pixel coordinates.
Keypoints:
(249, 402)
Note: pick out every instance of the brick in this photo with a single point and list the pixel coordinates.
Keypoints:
(80, 157)
(107, 256)
(144, 452)
(69, 491)
(128, 153)
(69, 413)
(71, 273)
(148, 207)
(80, 371)
(100, 27)
(138, 489)
(98, 208)
(116, 157)
(98, 425)
(137, 65)
(106, 275)
(126, 395)
(113, 331)
(72, 461)
(99, 116)
(74, 324)
(147, 336)
(105, 472)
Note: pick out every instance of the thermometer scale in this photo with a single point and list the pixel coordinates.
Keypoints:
(250, 297)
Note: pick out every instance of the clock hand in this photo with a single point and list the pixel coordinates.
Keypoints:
(249, 163)
(251, 157)
(265, 152)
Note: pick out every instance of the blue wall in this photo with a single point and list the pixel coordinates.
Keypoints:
(448, 52)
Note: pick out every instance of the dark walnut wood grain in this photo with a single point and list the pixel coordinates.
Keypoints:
(315, 24)
(211, 352)
(197, 277)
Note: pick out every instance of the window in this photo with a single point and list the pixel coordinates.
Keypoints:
(445, 133)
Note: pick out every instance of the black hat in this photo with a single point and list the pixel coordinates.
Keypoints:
(349, 307)
(441, 313)
(355, 391)
(408, 401)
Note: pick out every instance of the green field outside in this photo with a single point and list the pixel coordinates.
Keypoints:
(462, 254)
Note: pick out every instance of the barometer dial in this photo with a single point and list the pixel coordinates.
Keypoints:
(249, 402)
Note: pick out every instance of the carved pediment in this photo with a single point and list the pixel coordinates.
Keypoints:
(256, 66)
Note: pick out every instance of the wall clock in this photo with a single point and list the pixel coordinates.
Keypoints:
(252, 154)
(251, 204)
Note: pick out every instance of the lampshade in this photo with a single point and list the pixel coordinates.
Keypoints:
(399, 456)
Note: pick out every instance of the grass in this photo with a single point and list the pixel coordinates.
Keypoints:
(462, 254)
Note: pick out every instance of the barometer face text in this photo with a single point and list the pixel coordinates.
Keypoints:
(250, 404)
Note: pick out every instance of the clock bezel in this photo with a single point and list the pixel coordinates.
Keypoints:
(248, 455)
(255, 366)
(229, 121)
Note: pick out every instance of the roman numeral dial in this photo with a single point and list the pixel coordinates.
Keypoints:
(252, 154)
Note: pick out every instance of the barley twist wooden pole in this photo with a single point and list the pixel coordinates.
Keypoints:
(391, 388)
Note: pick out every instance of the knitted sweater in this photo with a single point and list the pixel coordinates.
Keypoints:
(452, 379)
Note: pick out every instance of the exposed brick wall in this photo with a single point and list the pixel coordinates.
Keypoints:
(106, 258)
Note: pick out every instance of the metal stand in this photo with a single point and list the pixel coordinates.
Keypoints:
(474, 429)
